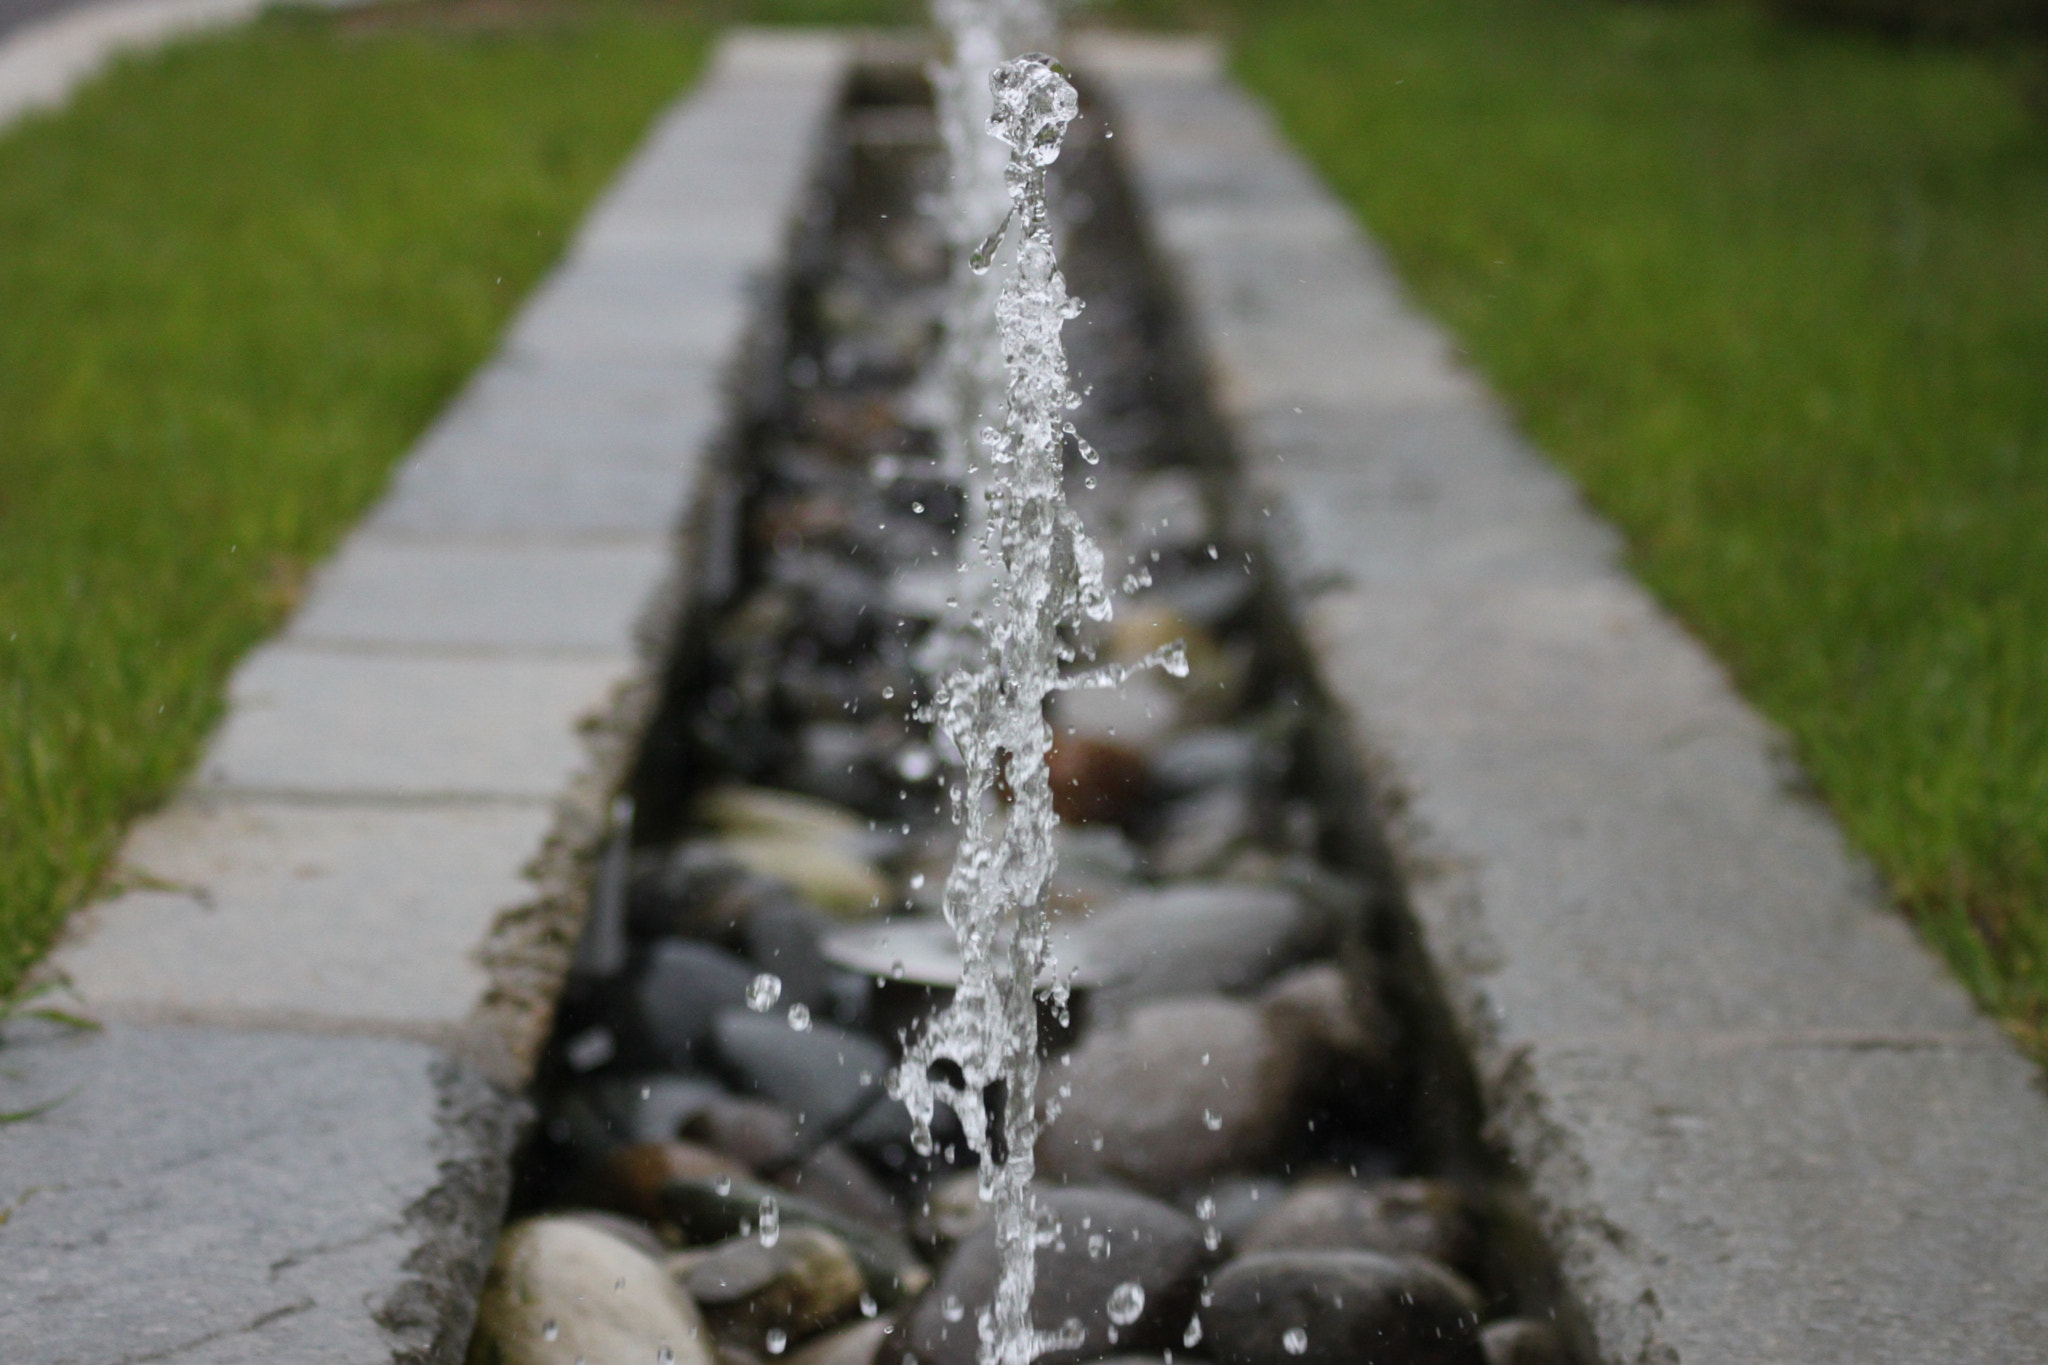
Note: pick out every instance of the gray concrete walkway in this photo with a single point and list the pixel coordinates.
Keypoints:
(1762, 1124)
(335, 958)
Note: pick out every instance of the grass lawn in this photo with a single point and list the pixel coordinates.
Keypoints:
(1778, 298)
(236, 279)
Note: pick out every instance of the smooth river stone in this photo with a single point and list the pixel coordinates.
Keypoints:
(1199, 938)
(1429, 1218)
(1340, 1308)
(808, 1281)
(1522, 1341)
(562, 1290)
(677, 994)
(1177, 1092)
(1107, 1238)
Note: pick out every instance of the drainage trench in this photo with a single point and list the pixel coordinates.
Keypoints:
(1264, 1146)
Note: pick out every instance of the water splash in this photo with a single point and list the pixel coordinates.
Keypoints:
(979, 1056)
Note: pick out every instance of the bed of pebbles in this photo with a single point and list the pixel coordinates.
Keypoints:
(1231, 1171)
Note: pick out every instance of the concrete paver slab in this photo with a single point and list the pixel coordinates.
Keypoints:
(338, 722)
(1759, 1121)
(323, 916)
(539, 597)
(343, 895)
(204, 1197)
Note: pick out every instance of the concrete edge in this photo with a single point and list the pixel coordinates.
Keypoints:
(1755, 1119)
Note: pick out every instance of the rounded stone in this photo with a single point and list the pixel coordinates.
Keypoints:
(1340, 1308)
(1429, 1218)
(1178, 1092)
(1107, 1239)
(561, 1290)
(1522, 1341)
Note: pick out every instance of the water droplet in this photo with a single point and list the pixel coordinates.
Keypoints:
(777, 1340)
(1098, 1246)
(951, 1309)
(1205, 1208)
(888, 694)
(868, 1306)
(664, 1357)
(896, 970)
(917, 881)
(917, 508)
(1205, 1059)
(550, 1330)
(1294, 1340)
(763, 992)
(771, 1221)
(1212, 1237)
(722, 1184)
(800, 1018)
(1193, 1336)
(1212, 1120)
(1126, 1301)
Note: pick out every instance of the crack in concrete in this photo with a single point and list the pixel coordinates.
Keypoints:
(255, 1324)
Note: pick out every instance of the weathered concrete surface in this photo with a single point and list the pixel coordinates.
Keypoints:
(329, 961)
(197, 1195)
(1759, 1121)
(273, 911)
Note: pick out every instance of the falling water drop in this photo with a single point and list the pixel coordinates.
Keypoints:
(1212, 1236)
(868, 1306)
(776, 1341)
(550, 1329)
(1212, 1120)
(1205, 1209)
(665, 1356)
(1193, 1336)
(722, 1184)
(800, 1018)
(1126, 1301)
(1294, 1340)
(763, 992)
(951, 1309)
(771, 1221)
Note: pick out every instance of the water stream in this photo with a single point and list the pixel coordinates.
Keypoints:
(895, 976)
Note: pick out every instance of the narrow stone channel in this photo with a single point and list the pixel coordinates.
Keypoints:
(1260, 1151)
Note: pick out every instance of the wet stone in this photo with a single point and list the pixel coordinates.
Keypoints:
(1107, 1239)
(807, 1281)
(677, 995)
(1199, 938)
(561, 1290)
(1522, 1341)
(855, 1344)
(1340, 1308)
(830, 1077)
(1210, 757)
(632, 1178)
(1177, 1092)
(1429, 1218)
(764, 1138)
(950, 1212)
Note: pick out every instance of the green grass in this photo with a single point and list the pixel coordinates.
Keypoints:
(236, 280)
(1778, 299)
